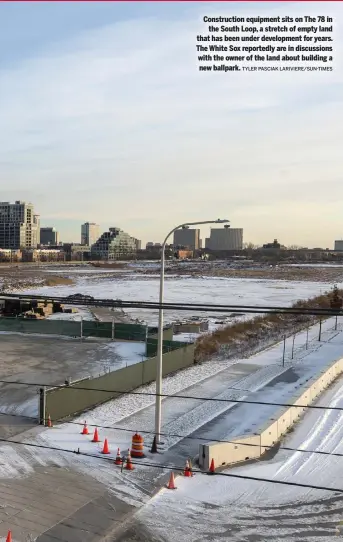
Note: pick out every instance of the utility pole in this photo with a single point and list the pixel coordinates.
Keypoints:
(293, 346)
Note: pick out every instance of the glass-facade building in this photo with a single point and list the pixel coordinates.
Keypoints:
(113, 245)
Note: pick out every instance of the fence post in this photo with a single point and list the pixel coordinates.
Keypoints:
(142, 369)
(42, 406)
(81, 328)
(307, 338)
(320, 329)
(284, 350)
(336, 323)
(293, 346)
(113, 329)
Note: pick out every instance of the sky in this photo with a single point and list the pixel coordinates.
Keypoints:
(104, 117)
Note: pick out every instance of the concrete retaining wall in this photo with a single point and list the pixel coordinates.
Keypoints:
(66, 401)
(253, 446)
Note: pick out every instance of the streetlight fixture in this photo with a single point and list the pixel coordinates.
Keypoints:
(158, 404)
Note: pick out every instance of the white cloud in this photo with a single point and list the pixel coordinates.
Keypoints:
(116, 125)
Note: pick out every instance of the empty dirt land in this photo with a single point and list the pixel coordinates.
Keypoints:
(311, 274)
(21, 276)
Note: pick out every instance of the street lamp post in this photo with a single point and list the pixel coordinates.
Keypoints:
(158, 404)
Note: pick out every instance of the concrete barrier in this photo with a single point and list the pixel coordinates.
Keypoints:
(241, 449)
(63, 402)
(253, 446)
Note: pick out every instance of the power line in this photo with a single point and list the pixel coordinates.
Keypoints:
(188, 437)
(259, 309)
(165, 395)
(176, 467)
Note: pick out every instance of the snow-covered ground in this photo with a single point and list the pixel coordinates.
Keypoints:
(214, 508)
(81, 314)
(306, 362)
(243, 510)
(180, 417)
(129, 352)
(210, 290)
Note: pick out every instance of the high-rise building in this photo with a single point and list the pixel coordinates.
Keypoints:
(114, 244)
(187, 238)
(19, 225)
(138, 243)
(338, 245)
(225, 239)
(49, 236)
(90, 233)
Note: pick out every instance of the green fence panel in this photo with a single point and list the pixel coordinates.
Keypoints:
(11, 324)
(125, 332)
(97, 329)
(130, 332)
(168, 346)
(47, 327)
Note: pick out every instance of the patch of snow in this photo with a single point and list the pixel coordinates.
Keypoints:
(130, 352)
(209, 290)
(12, 463)
(81, 314)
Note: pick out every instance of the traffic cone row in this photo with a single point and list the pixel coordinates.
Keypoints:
(106, 449)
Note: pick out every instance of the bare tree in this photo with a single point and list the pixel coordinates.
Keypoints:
(249, 246)
(294, 247)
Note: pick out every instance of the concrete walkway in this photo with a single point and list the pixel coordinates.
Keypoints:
(57, 504)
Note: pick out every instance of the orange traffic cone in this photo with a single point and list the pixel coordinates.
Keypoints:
(212, 469)
(129, 465)
(187, 472)
(85, 429)
(171, 483)
(96, 436)
(118, 460)
(49, 421)
(9, 537)
(105, 449)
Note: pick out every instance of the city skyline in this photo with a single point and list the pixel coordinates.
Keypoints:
(111, 128)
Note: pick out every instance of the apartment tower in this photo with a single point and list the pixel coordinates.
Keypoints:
(19, 225)
(90, 233)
